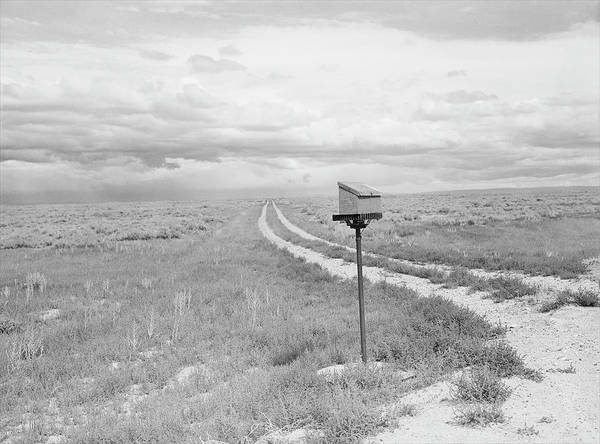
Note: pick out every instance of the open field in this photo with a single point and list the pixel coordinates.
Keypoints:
(81, 225)
(96, 349)
(539, 231)
(566, 397)
(216, 333)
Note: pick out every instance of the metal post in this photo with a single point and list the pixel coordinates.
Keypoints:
(361, 300)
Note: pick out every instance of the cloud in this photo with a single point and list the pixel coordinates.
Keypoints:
(493, 20)
(439, 112)
(462, 96)
(230, 51)
(200, 63)
(457, 73)
(196, 96)
(155, 55)
(103, 24)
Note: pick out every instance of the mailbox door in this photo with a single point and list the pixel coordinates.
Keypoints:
(369, 205)
(348, 202)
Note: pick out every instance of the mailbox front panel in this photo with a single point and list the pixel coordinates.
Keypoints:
(348, 202)
(369, 205)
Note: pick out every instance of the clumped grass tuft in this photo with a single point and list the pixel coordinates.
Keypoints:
(8, 325)
(581, 297)
(36, 281)
(480, 385)
(404, 410)
(141, 429)
(503, 288)
(505, 362)
(569, 369)
(546, 419)
(25, 346)
(288, 353)
(561, 300)
(478, 414)
(586, 298)
(461, 277)
(527, 431)
(351, 421)
(336, 252)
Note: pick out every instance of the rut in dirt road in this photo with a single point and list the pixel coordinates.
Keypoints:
(550, 283)
(548, 342)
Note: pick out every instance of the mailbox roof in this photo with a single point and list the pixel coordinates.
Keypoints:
(359, 189)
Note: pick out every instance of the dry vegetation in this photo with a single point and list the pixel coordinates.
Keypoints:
(81, 225)
(498, 288)
(537, 231)
(217, 335)
(213, 333)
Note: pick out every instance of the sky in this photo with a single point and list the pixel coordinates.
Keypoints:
(145, 100)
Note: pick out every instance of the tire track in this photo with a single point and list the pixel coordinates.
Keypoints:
(548, 283)
(547, 342)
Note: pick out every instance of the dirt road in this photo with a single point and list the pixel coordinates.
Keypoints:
(550, 283)
(568, 402)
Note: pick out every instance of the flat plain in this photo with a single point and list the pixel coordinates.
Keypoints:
(545, 231)
(188, 322)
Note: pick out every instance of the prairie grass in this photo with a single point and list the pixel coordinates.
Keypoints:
(480, 385)
(499, 289)
(479, 394)
(528, 431)
(583, 298)
(260, 321)
(478, 414)
(539, 231)
(503, 288)
(103, 225)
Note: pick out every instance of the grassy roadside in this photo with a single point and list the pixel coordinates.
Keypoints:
(552, 244)
(255, 322)
(499, 289)
(583, 298)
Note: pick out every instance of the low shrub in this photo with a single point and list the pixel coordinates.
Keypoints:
(351, 421)
(583, 298)
(8, 325)
(480, 385)
(478, 414)
(527, 431)
(586, 298)
(461, 277)
(404, 410)
(503, 288)
(505, 362)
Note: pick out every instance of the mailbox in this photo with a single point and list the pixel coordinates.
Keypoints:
(359, 199)
(359, 205)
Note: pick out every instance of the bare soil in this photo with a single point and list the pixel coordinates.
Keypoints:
(563, 345)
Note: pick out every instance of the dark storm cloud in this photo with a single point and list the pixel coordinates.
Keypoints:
(88, 91)
(535, 170)
(133, 21)
(106, 23)
(561, 137)
(497, 20)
